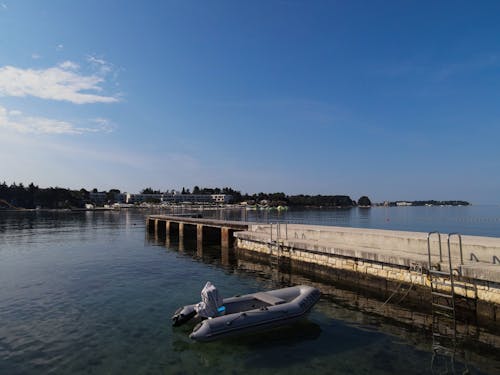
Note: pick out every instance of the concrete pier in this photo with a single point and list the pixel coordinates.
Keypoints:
(389, 257)
(205, 231)
(395, 256)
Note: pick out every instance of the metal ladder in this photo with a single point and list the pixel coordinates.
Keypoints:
(274, 256)
(442, 283)
(279, 255)
(442, 292)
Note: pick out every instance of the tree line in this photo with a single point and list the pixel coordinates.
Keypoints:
(32, 196)
(432, 203)
(275, 199)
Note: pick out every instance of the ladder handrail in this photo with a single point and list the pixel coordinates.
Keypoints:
(443, 301)
(450, 274)
(451, 278)
(429, 247)
(459, 245)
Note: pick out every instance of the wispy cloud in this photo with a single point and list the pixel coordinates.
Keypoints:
(4, 6)
(99, 64)
(59, 47)
(104, 68)
(99, 125)
(35, 56)
(62, 82)
(20, 123)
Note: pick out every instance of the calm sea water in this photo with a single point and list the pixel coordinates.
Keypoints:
(469, 220)
(90, 293)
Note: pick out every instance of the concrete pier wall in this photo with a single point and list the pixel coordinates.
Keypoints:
(480, 249)
(390, 255)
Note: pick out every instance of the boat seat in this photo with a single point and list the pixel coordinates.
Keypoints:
(268, 298)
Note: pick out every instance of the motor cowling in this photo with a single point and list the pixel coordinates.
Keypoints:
(183, 315)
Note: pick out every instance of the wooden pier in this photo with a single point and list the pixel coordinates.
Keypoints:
(206, 231)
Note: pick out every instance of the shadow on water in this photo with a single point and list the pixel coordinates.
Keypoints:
(283, 348)
(286, 336)
(352, 317)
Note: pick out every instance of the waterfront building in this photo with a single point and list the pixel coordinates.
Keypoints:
(404, 204)
(221, 198)
(98, 197)
(177, 198)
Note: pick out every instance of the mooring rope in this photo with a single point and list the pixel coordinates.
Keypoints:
(393, 293)
(407, 291)
(397, 290)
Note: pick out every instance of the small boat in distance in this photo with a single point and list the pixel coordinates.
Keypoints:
(248, 313)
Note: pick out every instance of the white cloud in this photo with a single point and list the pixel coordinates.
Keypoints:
(69, 65)
(18, 122)
(35, 56)
(62, 82)
(98, 61)
(59, 47)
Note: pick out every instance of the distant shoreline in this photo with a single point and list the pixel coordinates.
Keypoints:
(195, 207)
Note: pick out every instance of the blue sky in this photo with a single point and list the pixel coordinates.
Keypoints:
(395, 100)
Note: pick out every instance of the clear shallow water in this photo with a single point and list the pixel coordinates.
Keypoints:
(89, 293)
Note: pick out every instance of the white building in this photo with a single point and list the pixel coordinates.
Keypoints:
(177, 198)
(404, 204)
(221, 198)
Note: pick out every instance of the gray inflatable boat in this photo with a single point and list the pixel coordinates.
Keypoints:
(246, 314)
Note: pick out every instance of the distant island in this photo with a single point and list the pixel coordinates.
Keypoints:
(425, 203)
(18, 196)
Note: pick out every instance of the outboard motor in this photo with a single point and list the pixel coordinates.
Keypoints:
(211, 305)
(183, 315)
(211, 302)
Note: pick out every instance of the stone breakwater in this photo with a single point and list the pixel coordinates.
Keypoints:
(384, 255)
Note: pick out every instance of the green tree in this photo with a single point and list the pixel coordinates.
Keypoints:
(113, 196)
(364, 201)
(149, 190)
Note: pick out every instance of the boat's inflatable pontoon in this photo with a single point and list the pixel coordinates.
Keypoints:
(247, 313)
